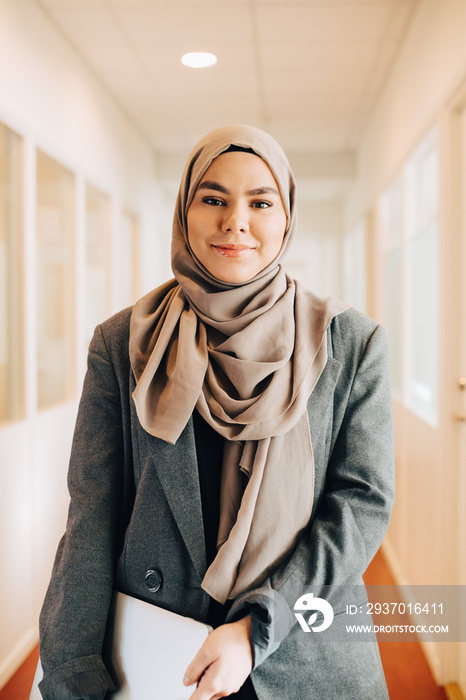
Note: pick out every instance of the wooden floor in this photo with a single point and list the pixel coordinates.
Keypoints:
(406, 670)
(19, 687)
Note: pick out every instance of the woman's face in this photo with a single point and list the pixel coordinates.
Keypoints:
(236, 221)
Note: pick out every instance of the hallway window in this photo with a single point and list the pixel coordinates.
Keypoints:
(97, 259)
(423, 291)
(11, 277)
(55, 282)
(390, 216)
(408, 227)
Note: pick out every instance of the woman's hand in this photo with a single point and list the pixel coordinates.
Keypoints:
(223, 662)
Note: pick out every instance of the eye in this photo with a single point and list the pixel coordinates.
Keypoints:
(213, 201)
(261, 204)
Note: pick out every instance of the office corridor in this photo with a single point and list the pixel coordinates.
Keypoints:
(97, 116)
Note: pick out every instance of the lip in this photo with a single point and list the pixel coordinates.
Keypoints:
(232, 250)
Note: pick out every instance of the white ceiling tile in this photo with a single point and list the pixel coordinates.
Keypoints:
(112, 58)
(134, 4)
(136, 89)
(72, 5)
(244, 110)
(215, 85)
(310, 3)
(318, 81)
(197, 128)
(315, 104)
(348, 22)
(303, 55)
(185, 5)
(195, 26)
(205, 122)
(298, 134)
(87, 26)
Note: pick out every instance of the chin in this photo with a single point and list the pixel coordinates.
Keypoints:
(234, 279)
(230, 273)
(230, 278)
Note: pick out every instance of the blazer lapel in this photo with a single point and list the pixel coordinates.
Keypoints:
(321, 399)
(177, 470)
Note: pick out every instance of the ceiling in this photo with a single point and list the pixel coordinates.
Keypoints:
(308, 71)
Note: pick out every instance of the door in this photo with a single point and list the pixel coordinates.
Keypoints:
(459, 414)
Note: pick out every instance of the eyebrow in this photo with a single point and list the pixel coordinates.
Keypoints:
(211, 185)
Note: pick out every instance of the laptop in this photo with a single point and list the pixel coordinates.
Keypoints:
(148, 650)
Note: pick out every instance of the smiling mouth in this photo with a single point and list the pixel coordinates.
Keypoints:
(232, 250)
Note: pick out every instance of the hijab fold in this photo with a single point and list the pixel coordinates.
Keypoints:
(247, 357)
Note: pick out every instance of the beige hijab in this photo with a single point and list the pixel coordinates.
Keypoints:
(247, 357)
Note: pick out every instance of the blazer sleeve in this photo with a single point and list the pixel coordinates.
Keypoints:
(352, 515)
(71, 630)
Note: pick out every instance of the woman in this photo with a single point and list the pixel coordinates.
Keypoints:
(233, 450)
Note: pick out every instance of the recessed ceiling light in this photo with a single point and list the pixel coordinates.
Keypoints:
(198, 59)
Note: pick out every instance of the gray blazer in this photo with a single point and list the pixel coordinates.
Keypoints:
(136, 508)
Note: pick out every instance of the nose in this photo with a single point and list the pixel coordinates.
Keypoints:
(235, 220)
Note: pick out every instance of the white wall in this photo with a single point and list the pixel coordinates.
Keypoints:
(50, 98)
(429, 70)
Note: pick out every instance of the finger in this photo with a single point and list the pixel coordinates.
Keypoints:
(206, 690)
(197, 667)
(205, 695)
(218, 681)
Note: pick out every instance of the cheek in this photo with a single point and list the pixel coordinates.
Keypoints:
(199, 223)
(277, 234)
(193, 227)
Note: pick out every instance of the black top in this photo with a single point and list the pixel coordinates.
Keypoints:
(209, 451)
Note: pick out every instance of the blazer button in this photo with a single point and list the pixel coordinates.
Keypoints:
(153, 580)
